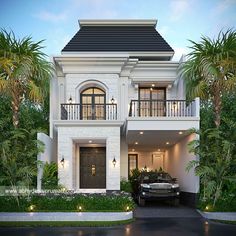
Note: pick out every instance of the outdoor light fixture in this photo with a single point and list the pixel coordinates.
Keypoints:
(80, 208)
(141, 132)
(180, 132)
(153, 85)
(114, 162)
(31, 207)
(145, 168)
(167, 143)
(70, 99)
(136, 143)
(62, 161)
(127, 208)
(112, 100)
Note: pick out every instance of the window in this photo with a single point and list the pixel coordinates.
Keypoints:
(133, 162)
(152, 101)
(93, 102)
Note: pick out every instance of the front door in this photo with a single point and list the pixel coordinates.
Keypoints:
(92, 167)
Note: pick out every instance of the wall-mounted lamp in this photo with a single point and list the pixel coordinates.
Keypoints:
(174, 104)
(114, 162)
(62, 161)
(70, 99)
(112, 100)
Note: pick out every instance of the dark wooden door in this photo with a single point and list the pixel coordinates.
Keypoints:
(92, 167)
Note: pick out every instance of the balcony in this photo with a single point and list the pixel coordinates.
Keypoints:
(76, 111)
(166, 115)
(162, 108)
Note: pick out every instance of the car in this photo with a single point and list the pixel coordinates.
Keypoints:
(157, 185)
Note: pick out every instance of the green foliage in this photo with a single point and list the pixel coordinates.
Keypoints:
(135, 173)
(50, 176)
(210, 71)
(216, 158)
(24, 70)
(68, 202)
(18, 152)
(125, 186)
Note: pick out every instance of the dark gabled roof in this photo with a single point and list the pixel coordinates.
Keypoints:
(117, 39)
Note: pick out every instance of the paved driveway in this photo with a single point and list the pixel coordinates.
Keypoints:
(162, 210)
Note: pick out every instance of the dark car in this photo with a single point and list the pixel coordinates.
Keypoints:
(156, 186)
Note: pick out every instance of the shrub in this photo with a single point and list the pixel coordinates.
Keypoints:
(50, 176)
(125, 186)
(68, 202)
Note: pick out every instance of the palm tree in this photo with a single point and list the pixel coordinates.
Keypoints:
(210, 70)
(24, 71)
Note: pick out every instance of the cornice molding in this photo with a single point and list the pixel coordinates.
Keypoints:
(122, 22)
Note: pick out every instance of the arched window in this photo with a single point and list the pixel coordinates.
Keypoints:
(93, 102)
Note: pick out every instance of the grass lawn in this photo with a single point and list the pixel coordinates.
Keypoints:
(65, 223)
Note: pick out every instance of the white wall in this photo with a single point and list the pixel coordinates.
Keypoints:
(66, 138)
(152, 160)
(123, 158)
(175, 162)
(45, 156)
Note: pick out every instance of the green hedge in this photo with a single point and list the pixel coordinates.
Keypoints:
(67, 202)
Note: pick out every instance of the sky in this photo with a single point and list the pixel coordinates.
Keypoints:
(56, 21)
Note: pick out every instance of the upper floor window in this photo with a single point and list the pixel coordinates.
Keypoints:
(93, 102)
(151, 101)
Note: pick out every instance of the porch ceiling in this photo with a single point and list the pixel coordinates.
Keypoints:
(154, 140)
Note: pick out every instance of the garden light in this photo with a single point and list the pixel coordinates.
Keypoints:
(127, 208)
(31, 207)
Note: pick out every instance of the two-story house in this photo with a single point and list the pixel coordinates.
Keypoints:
(117, 103)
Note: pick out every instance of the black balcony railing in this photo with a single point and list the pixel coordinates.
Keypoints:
(157, 108)
(77, 111)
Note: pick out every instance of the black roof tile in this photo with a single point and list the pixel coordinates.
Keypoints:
(117, 38)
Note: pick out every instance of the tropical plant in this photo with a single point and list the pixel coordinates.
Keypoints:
(24, 71)
(216, 158)
(50, 176)
(18, 158)
(210, 70)
(125, 185)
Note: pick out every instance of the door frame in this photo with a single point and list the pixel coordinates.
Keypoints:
(78, 168)
(129, 154)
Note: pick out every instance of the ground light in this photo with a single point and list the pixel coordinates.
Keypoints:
(79, 208)
(32, 207)
(127, 208)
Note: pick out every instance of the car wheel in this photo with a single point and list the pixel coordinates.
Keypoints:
(141, 201)
(176, 202)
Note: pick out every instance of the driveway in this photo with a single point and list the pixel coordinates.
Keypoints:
(164, 210)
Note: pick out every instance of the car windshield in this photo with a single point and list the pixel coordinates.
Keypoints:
(159, 177)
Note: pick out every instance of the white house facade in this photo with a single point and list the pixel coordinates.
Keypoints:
(117, 103)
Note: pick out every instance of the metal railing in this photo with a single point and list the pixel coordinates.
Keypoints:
(76, 111)
(161, 108)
